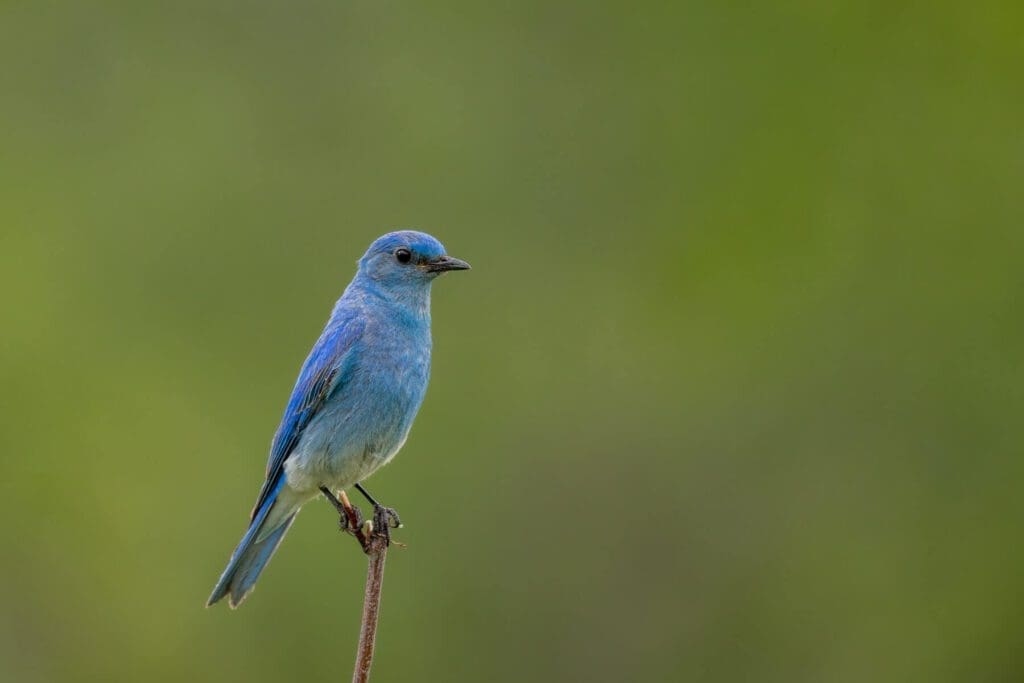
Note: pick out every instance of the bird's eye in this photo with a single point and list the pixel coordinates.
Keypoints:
(403, 255)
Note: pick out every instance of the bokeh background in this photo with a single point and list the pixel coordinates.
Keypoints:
(733, 392)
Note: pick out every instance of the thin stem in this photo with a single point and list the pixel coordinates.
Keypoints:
(371, 608)
(375, 544)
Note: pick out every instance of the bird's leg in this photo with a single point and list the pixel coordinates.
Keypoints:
(333, 500)
(384, 519)
(366, 494)
(344, 512)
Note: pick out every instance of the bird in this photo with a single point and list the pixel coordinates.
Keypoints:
(355, 399)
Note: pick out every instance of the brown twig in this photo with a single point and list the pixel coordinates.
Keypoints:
(375, 544)
(371, 608)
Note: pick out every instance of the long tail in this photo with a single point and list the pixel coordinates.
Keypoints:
(256, 548)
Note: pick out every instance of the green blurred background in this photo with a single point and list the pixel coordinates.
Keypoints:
(733, 392)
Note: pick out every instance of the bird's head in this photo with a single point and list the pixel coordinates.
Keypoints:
(406, 259)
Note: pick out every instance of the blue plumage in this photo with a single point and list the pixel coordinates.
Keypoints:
(356, 396)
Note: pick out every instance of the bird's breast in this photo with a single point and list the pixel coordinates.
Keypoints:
(387, 388)
(368, 415)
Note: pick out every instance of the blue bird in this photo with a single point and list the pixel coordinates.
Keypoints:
(356, 397)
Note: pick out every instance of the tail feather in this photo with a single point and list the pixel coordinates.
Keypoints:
(254, 551)
(256, 558)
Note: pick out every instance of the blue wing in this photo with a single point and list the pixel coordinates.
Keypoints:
(322, 373)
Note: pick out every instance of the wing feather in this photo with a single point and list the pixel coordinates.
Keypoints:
(321, 375)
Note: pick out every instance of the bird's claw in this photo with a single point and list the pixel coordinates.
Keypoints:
(384, 520)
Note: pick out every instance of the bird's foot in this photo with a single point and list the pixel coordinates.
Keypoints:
(384, 520)
(350, 520)
(345, 514)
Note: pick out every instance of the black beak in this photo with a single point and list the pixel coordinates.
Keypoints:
(446, 263)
